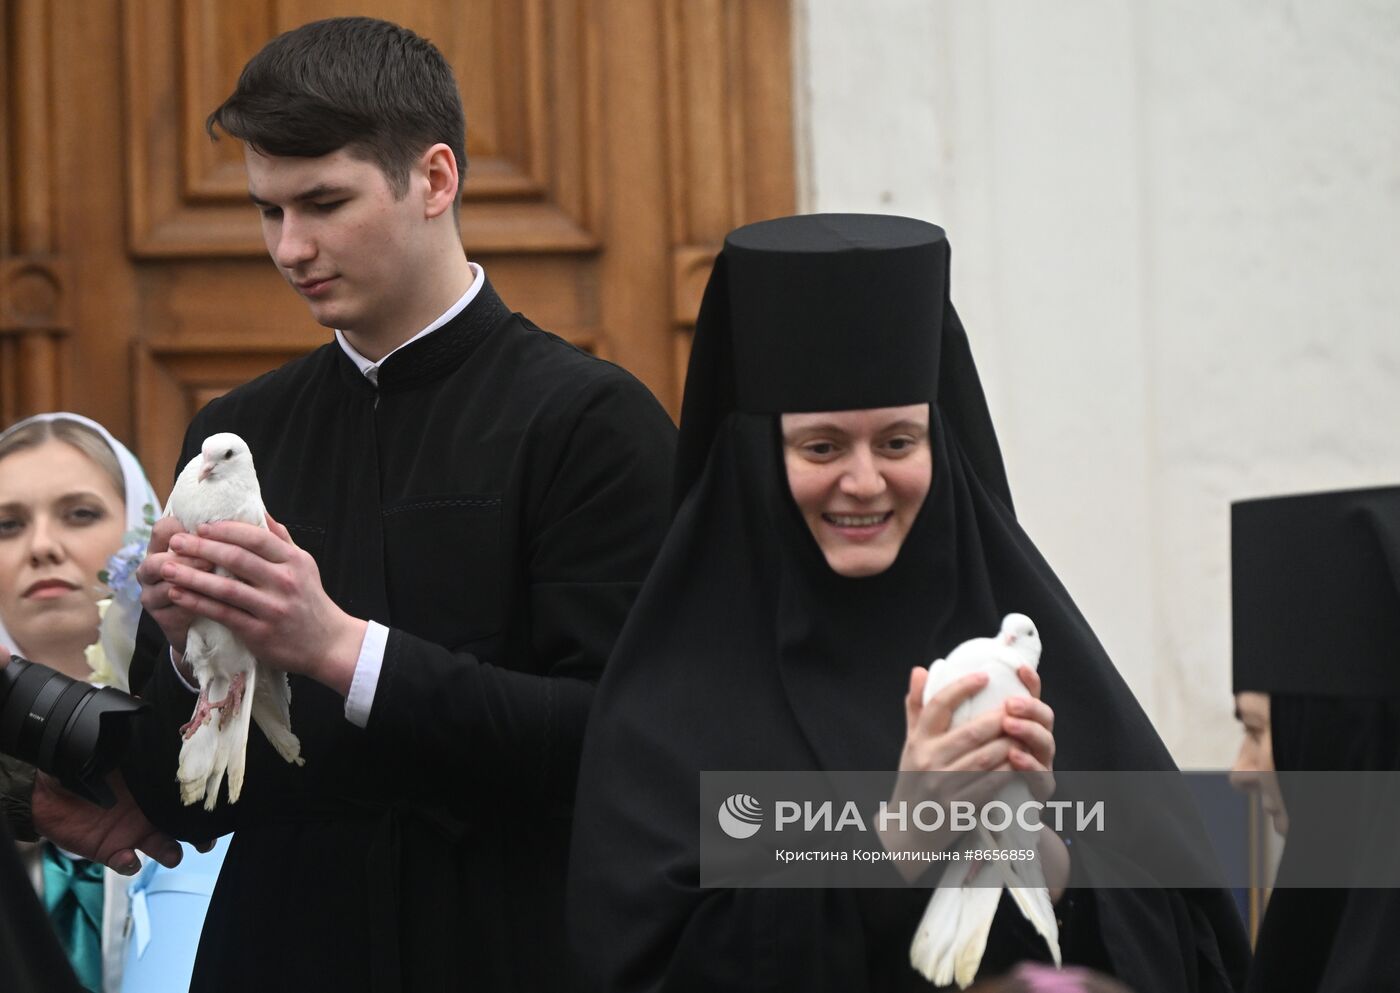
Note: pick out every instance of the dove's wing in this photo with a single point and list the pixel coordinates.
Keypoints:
(1004, 682)
(940, 675)
(272, 710)
(973, 655)
(1034, 903)
(964, 660)
(250, 511)
(1025, 879)
(184, 487)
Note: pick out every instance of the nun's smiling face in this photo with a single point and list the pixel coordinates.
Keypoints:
(859, 478)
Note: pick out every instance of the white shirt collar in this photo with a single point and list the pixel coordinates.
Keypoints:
(371, 369)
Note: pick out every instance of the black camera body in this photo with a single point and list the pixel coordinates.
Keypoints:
(70, 729)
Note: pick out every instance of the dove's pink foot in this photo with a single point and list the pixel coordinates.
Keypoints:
(204, 709)
(202, 713)
(231, 703)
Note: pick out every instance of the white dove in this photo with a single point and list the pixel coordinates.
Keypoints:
(220, 484)
(952, 935)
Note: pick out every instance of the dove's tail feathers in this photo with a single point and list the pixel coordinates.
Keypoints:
(1026, 882)
(952, 936)
(204, 757)
(241, 697)
(272, 711)
(217, 773)
(197, 759)
(931, 953)
(1036, 906)
(979, 907)
(199, 751)
(1025, 879)
(215, 748)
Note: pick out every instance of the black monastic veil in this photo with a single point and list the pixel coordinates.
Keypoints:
(745, 651)
(1317, 626)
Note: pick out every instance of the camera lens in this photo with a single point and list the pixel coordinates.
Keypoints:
(68, 728)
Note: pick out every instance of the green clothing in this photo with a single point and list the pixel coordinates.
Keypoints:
(16, 792)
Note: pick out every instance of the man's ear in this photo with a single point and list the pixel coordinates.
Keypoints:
(439, 165)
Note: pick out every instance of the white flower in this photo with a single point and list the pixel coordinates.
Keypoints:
(109, 656)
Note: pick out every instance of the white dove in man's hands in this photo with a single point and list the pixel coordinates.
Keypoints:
(220, 484)
(952, 935)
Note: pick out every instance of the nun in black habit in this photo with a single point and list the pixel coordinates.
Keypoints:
(1317, 627)
(751, 647)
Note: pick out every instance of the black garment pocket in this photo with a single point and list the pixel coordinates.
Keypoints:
(309, 537)
(442, 566)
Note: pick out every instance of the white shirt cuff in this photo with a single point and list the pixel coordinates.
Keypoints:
(180, 675)
(366, 679)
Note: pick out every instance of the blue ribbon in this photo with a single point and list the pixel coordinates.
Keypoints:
(155, 878)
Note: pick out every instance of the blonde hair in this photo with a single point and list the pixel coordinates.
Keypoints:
(79, 436)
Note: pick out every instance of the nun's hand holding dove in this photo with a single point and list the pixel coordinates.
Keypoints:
(1016, 738)
(930, 746)
(952, 936)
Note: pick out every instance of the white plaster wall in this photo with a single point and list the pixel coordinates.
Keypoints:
(1175, 247)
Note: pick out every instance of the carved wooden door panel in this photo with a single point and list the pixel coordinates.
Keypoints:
(610, 145)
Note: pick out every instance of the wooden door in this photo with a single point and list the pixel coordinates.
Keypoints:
(611, 144)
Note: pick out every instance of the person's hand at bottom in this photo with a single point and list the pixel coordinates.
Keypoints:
(110, 836)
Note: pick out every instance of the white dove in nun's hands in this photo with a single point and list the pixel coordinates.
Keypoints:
(952, 935)
(220, 484)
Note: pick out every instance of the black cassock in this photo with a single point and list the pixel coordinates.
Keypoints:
(496, 501)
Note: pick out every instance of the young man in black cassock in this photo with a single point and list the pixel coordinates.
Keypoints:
(462, 509)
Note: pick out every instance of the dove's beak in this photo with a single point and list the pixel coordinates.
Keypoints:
(205, 470)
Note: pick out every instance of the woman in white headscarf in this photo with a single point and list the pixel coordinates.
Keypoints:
(69, 495)
(75, 511)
